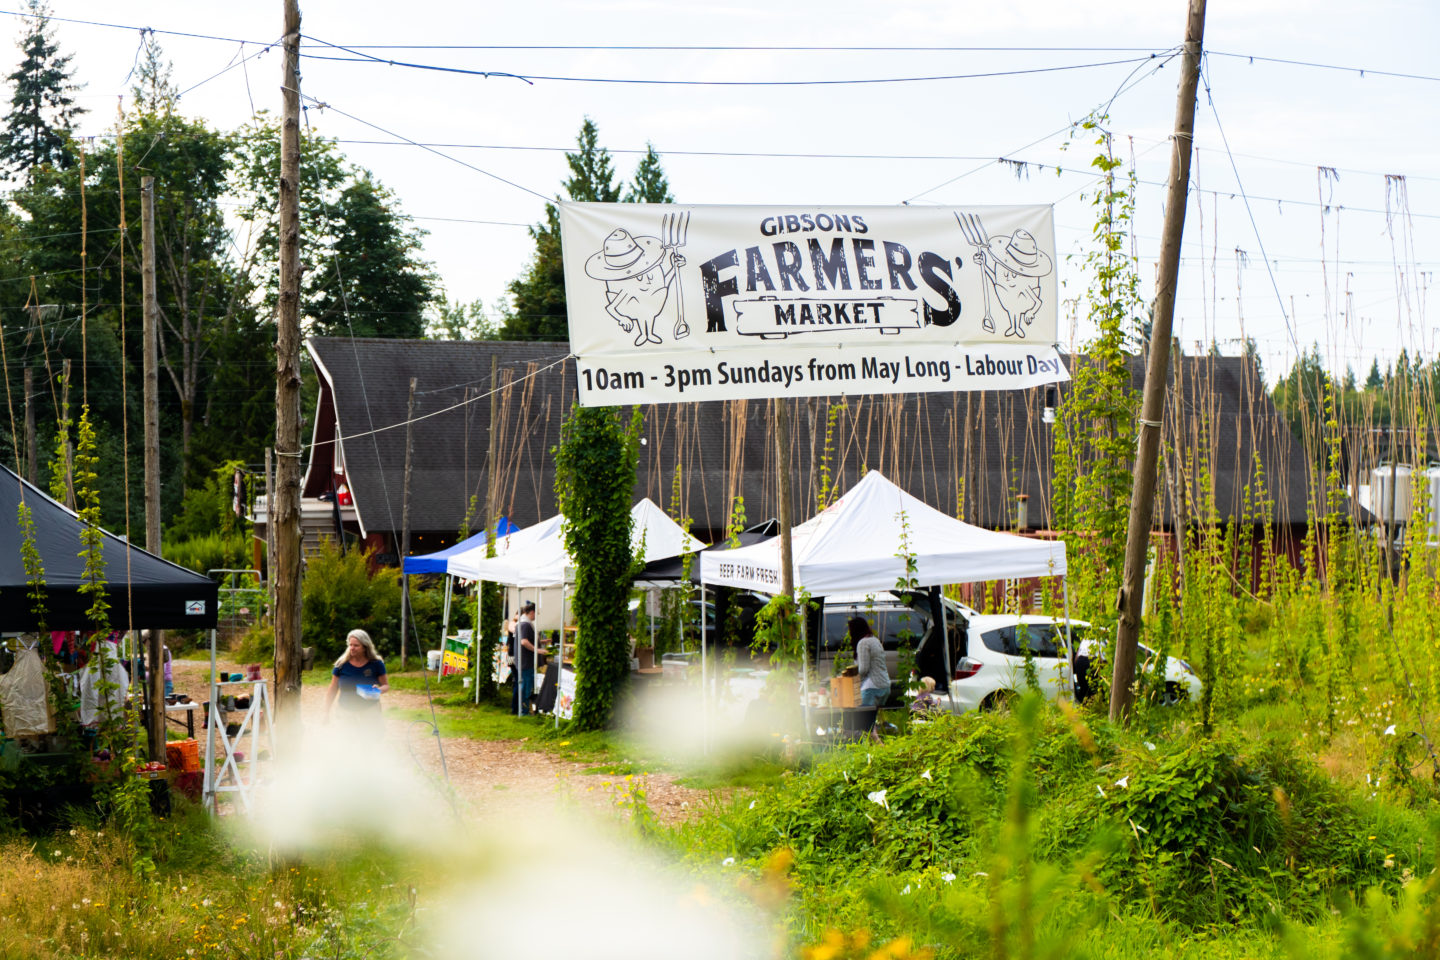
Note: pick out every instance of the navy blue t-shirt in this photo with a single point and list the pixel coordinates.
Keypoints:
(352, 676)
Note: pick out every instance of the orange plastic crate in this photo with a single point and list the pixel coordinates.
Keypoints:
(183, 755)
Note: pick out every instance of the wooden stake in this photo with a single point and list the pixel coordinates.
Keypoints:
(285, 511)
(782, 467)
(405, 522)
(150, 339)
(1142, 503)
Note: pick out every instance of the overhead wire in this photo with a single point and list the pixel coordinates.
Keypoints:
(231, 66)
(1129, 83)
(531, 78)
(1210, 99)
(494, 176)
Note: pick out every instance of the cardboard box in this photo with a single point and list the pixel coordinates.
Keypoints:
(845, 691)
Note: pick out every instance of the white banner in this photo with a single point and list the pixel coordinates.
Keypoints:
(686, 303)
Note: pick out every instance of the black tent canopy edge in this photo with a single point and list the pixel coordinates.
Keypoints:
(144, 591)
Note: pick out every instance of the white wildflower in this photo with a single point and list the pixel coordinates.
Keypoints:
(1124, 782)
(728, 862)
(926, 776)
(1099, 791)
(1390, 730)
(948, 877)
(878, 797)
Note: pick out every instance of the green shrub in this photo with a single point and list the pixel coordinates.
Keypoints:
(1197, 833)
(208, 508)
(339, 594)
(211, 551)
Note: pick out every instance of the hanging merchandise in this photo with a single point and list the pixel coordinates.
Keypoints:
(92, 698)
(24, 698)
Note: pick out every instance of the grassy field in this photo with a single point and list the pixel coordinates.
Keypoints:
(1300, 821)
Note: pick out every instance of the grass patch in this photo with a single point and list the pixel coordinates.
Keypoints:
(211, 897)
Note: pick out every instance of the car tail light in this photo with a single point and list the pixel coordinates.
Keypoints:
(967, 668)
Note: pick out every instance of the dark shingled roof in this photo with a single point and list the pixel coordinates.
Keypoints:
(925, 442)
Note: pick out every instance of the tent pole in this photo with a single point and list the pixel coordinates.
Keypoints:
(559, 662)
(704, 679)
(1069, 640)
(444, 628)
(519, 604)
(945, 645)
(479, 589)
(805, 673)
(210, 714)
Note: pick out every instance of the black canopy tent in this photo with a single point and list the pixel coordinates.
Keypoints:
(145, 592)
(672, 568)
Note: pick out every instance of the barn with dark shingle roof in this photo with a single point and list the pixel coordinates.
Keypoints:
(986, 448)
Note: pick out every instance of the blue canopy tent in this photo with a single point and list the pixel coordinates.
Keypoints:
(439, 562)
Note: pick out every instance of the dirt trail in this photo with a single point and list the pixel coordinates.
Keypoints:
(488, 775)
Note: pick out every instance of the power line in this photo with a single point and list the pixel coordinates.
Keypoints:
(1362, 71)
(27, 15)
(651, 81)
(740, 48)
(736, 48)
(470, 166)
(231, 66)
(1210, 98)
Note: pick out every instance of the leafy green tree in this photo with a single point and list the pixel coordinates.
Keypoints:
(42, 108)
(538, 309)
(453, 320)
(361, 264)
(377, 284)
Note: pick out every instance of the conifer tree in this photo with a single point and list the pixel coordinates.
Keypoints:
(539, 293)
(649, 185)
(42, 109)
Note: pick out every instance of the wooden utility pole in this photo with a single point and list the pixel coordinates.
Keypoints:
(31, 453)
(782, 464)
(285, 510)
(492, 487)
(1152, 407)
(150, 354)
(405, 522)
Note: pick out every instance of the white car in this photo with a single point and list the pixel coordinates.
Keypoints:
(992, 669)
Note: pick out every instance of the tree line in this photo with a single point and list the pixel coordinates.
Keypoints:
(71, 254)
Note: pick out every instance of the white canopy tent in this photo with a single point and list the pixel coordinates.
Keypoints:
(858, 545)
(536, 556)
(854, 546)
(541, 561)
(464, 564)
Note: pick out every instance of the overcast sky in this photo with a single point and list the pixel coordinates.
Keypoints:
(1340, 272)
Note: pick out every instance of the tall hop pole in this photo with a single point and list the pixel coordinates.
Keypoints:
(1152, 407)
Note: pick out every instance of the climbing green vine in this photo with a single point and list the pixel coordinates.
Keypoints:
(1095, 435)
(594, 480)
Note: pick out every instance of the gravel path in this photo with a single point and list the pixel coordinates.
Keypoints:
(492, 777)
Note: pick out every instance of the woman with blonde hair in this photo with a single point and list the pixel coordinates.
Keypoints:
(358, 678)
